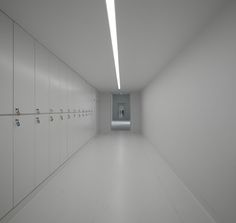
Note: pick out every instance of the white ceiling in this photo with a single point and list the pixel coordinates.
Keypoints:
(150, 33)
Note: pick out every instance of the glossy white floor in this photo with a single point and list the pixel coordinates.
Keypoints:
(116, 178)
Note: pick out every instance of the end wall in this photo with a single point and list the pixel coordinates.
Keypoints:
(104, 112)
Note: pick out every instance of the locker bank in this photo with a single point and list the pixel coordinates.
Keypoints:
(118, 111)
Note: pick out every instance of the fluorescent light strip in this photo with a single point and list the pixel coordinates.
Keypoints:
(111, 12)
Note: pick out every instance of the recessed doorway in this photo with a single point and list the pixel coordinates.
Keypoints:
(120, 112)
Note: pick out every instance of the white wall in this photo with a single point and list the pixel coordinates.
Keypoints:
(189, 113)
(104, 112)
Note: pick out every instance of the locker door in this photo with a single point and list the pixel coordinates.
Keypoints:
(90, 134)
(41, 78)
(74, 92)
(23, 71)
(58, 92)
(93, 114)
(67, 88)
(87, 126)
(6, 164)
(54, 142)
(54, 84)
(77, 92)
(79, 131)
(23, 156)
(70, 134)
(73, 133)
(83, 127)
(63, 86)
(41, 148)
(6, 65)
(76, 133)
(62, 137)
(70, 91)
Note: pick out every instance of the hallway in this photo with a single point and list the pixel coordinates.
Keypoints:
(115, 178)
(118, 111)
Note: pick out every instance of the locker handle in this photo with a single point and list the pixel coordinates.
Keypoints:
(17, 122)
(61, 117)
(37, 111)
(51, 119)
(17, 111)
(68, 116)
(38, 120)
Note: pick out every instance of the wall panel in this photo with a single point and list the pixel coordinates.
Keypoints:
(23, 71)
(42, 76)
(41, 148)
(6, 65)
(24, 156)
(6, 165)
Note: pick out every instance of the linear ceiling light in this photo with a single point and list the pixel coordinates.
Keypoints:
(111, 12)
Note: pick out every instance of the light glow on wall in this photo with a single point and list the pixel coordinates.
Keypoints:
(111, 12)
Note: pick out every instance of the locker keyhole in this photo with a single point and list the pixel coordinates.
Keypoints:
(17, 122)
(38, 120)
(17, 111)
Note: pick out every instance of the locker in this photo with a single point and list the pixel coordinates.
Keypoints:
(6, 164)
(54, 142)
(82, 94)
(54, 84)
(41, 148)
(79, 131)
(87, 126)
(75, 92)
(78, 93)
(24, 156)
(59, 95)
(69, 91)
(70, 132)
(23, 71)
(67, 88)
(82, 128)
(6, 65)
(71, 88)
(41, 79)
(63, 86)
(74, 133)
(62, 137)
